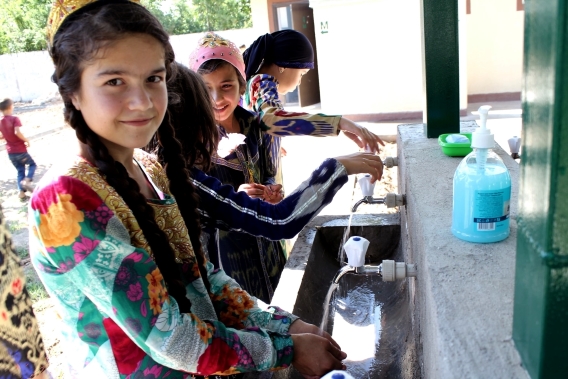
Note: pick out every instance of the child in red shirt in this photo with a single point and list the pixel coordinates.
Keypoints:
(16, 145)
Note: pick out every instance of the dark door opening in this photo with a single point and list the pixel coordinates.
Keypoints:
(300, 17)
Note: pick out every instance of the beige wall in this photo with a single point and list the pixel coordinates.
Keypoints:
(370, 58)
(259, 14)
(494, 47)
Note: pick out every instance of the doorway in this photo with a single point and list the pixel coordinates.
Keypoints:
(300, 17)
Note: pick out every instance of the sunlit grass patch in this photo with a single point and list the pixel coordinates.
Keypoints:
(33, 284)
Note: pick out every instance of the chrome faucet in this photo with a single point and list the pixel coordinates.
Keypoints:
(388, 271)
(365, 270)
(391, 200)
(356, 249)
(368, 200)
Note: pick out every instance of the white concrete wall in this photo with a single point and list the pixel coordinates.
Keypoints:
(494, 47)
(27, 76)
(259, 15)
(370, 58)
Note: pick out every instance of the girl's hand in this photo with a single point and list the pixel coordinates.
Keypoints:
(300, 327)
(254, 190)
(315, 356)
(360, 135)
(273, 193)
(363, 163)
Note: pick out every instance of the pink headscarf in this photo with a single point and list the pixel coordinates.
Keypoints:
(213, 46)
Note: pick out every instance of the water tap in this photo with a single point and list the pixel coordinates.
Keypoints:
(389, 270)
(514, 146)
(356, 248)
(391, 200)
(390, 162)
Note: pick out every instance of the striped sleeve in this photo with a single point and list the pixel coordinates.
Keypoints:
(262, 98)
(221, 206)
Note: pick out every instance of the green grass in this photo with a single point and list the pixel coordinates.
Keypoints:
(15, 226)
(22, 252)
(33, 284)
(36, 291)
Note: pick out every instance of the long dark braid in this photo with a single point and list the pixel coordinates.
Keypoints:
(116, 175)
(189, 119)
(94, 27)
(183, 190)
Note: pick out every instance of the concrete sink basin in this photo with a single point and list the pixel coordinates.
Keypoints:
(369, 318)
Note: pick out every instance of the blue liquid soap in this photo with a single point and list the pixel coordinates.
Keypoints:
(481, 199)
(482, 193)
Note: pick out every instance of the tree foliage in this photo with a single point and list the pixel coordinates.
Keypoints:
(22, 25)
(22, 22)
(223, 14)
(193, 16)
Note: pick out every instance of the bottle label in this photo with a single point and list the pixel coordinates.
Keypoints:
(491, 208)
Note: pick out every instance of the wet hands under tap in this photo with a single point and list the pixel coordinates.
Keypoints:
(315, 351)
(271, 193)
(363, 163)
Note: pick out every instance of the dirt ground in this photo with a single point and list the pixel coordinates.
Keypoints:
(52, 142)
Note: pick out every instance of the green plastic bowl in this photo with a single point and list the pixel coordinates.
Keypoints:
(455, 149)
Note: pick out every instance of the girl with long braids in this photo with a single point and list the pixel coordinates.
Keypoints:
(115, 238)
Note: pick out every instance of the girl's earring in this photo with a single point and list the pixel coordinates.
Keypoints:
(280, 69)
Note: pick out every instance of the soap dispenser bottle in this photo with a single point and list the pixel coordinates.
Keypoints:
(482, 190)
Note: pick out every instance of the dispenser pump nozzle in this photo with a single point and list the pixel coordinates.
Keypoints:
(482, 138)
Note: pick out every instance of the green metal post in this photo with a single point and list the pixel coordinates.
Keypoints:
(440, 63)
(540, 323)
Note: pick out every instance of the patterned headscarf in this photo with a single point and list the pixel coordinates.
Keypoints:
(62, 9)
(285, 48)
(213, 46)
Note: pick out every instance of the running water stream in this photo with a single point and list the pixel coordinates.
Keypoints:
(355, 312)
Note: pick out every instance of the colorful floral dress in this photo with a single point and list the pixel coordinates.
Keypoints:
(256, 263)
(120, 322)
(262, 98)
(22, 353)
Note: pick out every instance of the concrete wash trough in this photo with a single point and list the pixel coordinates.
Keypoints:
(369, 318)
